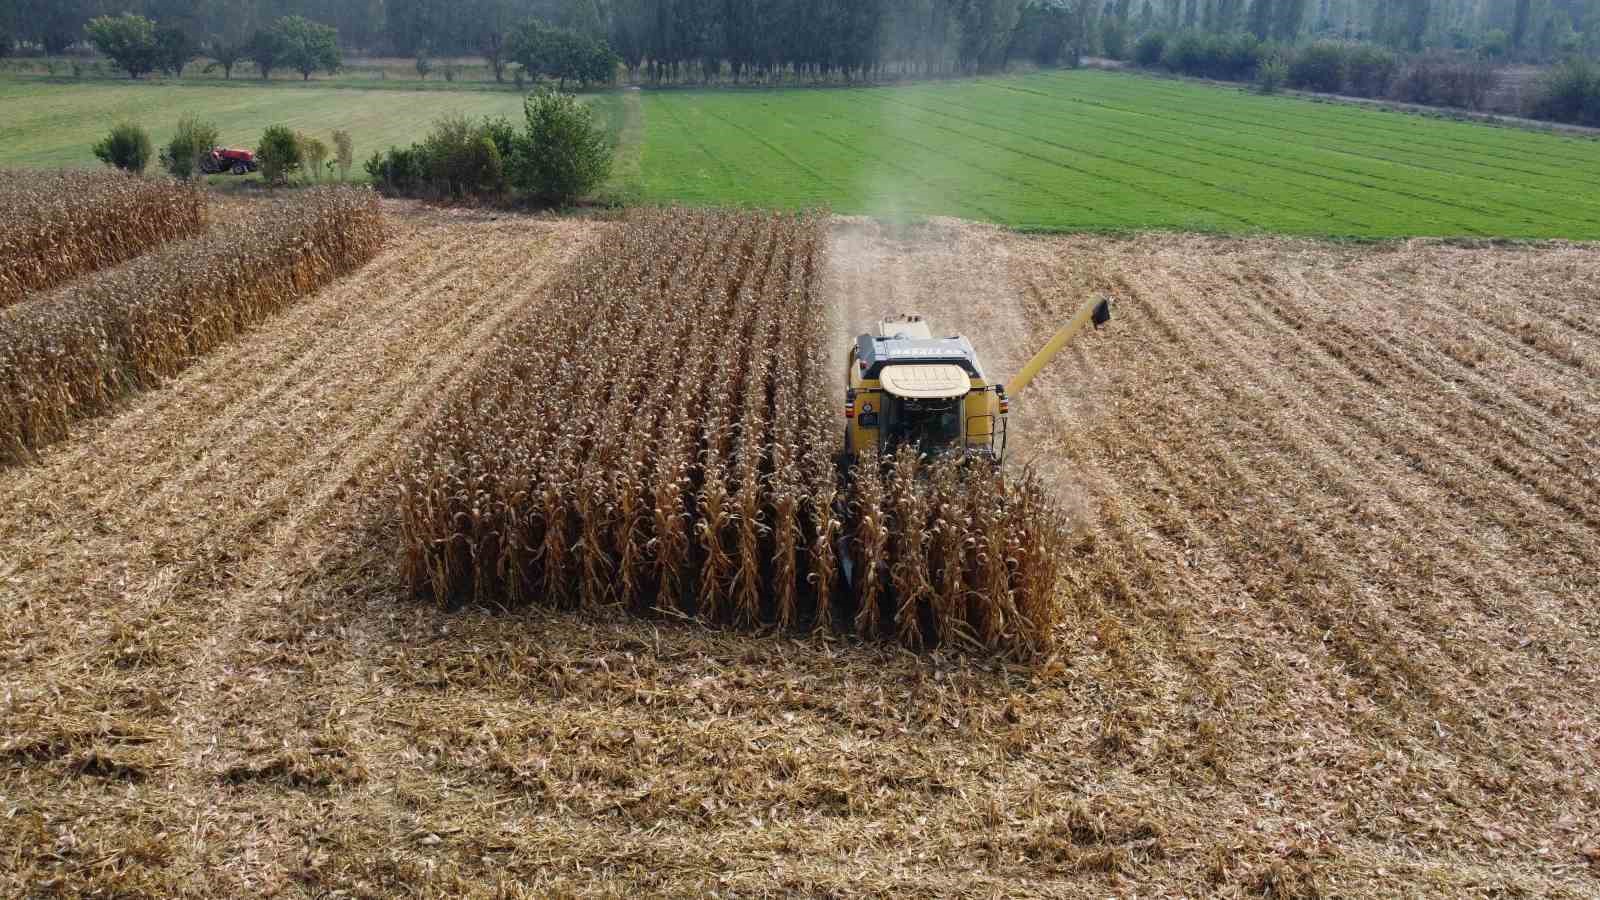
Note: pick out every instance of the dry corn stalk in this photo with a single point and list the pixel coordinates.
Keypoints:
(673, 449)
(77, 351)
(57, 226)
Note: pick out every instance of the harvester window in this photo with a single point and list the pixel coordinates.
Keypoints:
(927, 424)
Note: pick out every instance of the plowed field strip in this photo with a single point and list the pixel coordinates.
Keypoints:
(1436, 437)
(1417, 577)
(1451, 482)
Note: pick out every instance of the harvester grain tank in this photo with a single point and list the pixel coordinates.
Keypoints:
(909, 388)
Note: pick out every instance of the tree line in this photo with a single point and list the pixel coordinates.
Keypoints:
(842, 35)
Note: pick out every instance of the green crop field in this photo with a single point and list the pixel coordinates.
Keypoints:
(55, 124)
(1096, 150)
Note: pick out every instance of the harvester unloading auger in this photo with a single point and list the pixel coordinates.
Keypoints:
(907, 388)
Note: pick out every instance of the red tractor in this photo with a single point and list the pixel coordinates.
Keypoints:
(221, 159)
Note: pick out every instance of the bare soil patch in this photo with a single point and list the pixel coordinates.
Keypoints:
(1333, 629)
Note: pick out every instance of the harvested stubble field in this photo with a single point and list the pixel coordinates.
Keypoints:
(1334, 631)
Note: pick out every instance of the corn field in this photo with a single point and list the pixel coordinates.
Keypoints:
(57, 226)
(660, 433)
(75, 352)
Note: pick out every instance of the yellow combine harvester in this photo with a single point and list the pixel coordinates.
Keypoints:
(909, 388)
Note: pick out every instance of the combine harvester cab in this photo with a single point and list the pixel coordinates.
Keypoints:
(907, 388)
(910, 389)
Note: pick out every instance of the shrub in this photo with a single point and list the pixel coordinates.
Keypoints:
(344, 153)
(519, 75)
(127, 147)
(569, 155)
(279, 154)
(1113, 39)
(313, 153)
(1445, 81)
(1570, 93)
(1186, 55)
(181, 157)
(1271, 75)
(1150, 49)
(1240, 57)
(1319, 67)
(424, 66)
(399, 170)
(462, 159)
(1369, 71)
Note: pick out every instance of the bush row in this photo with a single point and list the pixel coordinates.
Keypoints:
(1570, 93)
(557, 156)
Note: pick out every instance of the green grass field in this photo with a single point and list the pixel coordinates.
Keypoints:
(55, 124)
(1106, 151)
(1055, 151)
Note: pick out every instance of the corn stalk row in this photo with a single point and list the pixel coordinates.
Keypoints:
(659, 433)
(58, 226)
(75, 352)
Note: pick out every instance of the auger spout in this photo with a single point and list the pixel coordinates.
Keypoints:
(1097, 312)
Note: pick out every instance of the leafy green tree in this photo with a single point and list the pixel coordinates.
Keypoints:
(127, 147)
(224, 55)
(129, 41)
(1520, 24)
(308, 46)
(1289, 15)
(567, 154)
(561, 54)
(174, 50)
(278, 154)
(1261, 18)
(266, 50)
(181, 157)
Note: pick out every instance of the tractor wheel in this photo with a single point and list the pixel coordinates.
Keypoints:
(240, 168)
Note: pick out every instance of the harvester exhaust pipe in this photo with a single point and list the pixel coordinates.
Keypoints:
(1095, 312)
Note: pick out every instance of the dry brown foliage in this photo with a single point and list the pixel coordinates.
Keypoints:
(658, 433)
(57, 226)
(211, 686)
(75, 352)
